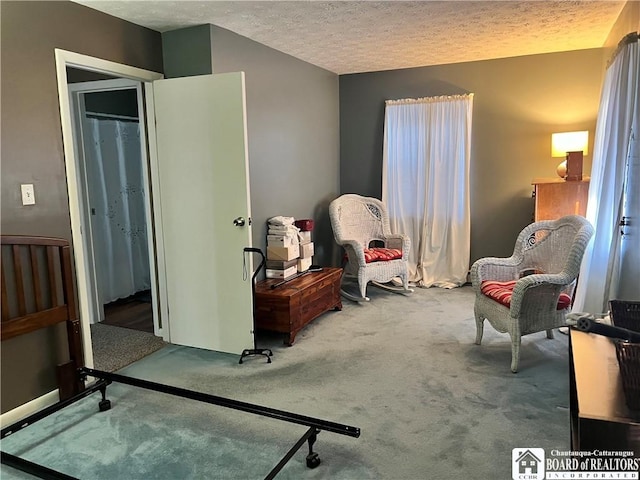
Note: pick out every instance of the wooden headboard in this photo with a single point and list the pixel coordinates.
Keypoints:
(37, 292)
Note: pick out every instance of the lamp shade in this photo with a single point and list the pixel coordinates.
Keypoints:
(564, 142)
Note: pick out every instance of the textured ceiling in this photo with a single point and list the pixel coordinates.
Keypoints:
(364, 36)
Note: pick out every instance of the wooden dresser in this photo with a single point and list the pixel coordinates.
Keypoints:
(292, 305)
(556, 197)
(600, 418)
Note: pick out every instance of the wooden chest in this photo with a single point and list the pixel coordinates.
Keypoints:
(289, 307)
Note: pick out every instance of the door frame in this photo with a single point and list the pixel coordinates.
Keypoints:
(78, 109)
(81, 251)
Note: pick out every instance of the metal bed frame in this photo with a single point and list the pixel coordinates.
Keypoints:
(315, 425)
(39, 268)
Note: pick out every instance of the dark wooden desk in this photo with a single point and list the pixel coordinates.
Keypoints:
(291, 306)
(600, 418)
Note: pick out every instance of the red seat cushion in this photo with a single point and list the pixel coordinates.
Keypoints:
(378, 254)
(385, 253)
(502, 291)
(370, 255)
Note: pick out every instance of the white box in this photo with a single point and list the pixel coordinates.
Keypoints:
(306, 250)
(281, 264)
(283, 274)
(304, 264)
(304, 237)
(283, 253)
(281, 241)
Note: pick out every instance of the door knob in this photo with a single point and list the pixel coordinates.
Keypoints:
(239, 222)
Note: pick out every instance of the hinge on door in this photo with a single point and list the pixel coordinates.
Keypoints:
(624, 222)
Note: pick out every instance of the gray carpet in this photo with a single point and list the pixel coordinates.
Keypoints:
(430, 403)
(116, 347)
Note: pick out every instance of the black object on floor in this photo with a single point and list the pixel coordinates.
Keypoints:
(247, 352)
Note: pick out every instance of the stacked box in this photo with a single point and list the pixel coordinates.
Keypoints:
(281, 264)
(283, 253)
(282, 274)
(282, 248)
(305, 244)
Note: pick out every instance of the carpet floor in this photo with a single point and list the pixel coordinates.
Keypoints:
(429, 402)
(116, 347)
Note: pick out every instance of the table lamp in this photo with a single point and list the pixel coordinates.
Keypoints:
(573, 146)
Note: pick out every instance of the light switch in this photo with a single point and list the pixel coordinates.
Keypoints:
(28, 195)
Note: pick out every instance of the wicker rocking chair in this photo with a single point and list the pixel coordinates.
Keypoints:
(373, 254)
(532, 290)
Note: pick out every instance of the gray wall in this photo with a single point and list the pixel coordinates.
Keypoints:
(187, 52)
(518, 103)
(32, 147)
(293, 130)
(292, 126)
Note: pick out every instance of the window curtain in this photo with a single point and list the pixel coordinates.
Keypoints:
(425, 184)
(118, 220)
(616, 127)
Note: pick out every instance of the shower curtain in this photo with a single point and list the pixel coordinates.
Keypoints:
(117, 204)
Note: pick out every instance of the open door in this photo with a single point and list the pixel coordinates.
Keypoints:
(198, 173)
(202, 165)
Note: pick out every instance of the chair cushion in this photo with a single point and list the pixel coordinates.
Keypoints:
(378, 254)
(502, 291)
(370, 255)
(384, 254)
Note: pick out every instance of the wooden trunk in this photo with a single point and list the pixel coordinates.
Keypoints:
(292, 305)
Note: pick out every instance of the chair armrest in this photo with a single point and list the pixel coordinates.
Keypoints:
(357, 249)
(399, 241)
(494, 268)
(559, 280)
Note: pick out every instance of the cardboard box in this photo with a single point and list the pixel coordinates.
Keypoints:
(306, 250)
(282, 241)
(283, 274)
(304, 237)
(304, 264)
(281, 264)
(282, 253)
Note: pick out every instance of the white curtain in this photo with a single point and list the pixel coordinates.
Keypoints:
(425, 184)
(118, 221)
(612, 149)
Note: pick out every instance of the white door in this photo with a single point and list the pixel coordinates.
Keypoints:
(202, 166)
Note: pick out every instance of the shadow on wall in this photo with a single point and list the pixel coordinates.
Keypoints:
(327, 251)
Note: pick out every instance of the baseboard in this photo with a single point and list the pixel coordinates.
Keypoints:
(23, 411)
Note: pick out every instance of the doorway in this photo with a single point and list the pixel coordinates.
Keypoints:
(107, 131)
(196, 141)
(74, 69)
